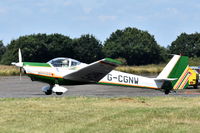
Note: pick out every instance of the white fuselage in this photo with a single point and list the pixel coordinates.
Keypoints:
(112, 78)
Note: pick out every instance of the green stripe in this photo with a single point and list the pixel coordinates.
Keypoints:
(36, 64)
(113, 61)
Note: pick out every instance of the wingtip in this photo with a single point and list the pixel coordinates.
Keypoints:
(113, 61)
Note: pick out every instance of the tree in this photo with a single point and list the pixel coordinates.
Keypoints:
(2, 49)
(136, 46)
(186, 44)
(87, 49)
(59, 46)
(38, 48)
(42, 48)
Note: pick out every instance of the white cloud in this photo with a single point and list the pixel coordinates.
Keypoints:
(105, 18)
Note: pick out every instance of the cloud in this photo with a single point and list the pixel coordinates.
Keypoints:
(105, 18)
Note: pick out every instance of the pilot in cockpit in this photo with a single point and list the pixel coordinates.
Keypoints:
(65, 63)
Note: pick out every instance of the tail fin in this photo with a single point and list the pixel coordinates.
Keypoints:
(178, 70)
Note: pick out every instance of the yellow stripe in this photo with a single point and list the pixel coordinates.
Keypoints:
(184, 82)
(181, 78)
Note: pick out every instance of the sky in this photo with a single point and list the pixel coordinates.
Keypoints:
(164, 19)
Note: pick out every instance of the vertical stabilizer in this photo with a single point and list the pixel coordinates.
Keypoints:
(169, 67)
(177, 69)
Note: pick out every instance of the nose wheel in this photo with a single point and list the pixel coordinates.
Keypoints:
(59, 90)
(59, 93)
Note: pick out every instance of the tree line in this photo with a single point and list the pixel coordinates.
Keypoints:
(130, 45)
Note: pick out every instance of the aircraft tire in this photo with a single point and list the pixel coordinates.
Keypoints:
(48, 92)
(59, 93)
(167, 92)
(195, 86)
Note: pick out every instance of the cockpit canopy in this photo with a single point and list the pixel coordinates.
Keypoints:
(64, 62)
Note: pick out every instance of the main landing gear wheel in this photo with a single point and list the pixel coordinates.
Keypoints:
(167, 92)
(48, 92)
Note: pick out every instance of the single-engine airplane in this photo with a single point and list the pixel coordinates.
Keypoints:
(67, 71)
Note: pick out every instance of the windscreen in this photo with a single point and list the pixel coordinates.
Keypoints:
(60, 62)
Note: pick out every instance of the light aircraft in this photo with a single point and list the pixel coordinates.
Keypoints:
(67, 71)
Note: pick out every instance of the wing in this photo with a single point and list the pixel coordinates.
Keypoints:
(94, 71)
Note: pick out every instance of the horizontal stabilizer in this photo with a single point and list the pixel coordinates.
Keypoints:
(165, 79)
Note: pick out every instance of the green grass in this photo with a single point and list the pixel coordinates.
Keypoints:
(100, 115)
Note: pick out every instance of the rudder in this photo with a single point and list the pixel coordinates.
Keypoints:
(181, 72)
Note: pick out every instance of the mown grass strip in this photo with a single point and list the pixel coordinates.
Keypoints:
(8, 70)
(97, 115)
(147, 69)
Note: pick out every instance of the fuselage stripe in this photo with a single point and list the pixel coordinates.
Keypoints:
(127, 85)
(45, 75)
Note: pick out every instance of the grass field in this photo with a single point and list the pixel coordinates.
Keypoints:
(146, 69)
(100, 115)
(8, 70)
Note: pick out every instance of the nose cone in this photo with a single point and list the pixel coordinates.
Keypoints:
(19, 64)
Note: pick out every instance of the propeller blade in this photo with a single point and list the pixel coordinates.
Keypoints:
(20, 63)
(20, 55)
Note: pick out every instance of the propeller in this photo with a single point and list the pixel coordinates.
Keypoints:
(20, 55)
(20, 63)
